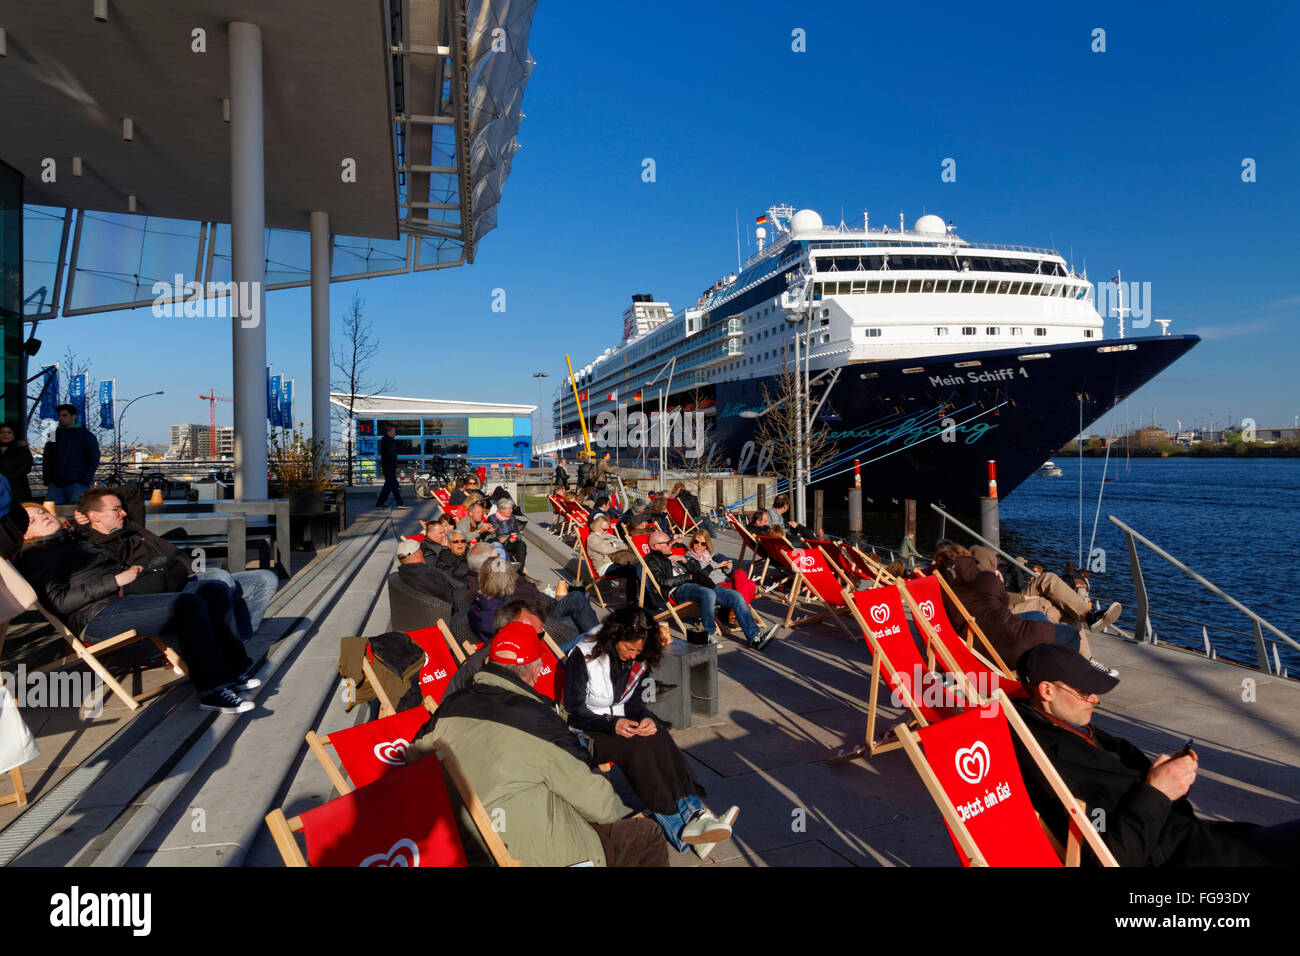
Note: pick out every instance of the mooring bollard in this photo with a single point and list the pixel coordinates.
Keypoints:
(817, 511)
(855, 511)
(762, 497)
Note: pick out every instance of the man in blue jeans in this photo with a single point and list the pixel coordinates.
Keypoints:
(71, 457)
(678, 580)
(109, 530)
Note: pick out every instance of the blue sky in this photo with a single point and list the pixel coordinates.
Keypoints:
(1129, 159)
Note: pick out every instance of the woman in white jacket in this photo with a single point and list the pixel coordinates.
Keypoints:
(607, 704)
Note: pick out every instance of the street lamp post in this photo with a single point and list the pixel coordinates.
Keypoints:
(122, 415)
(537, 428)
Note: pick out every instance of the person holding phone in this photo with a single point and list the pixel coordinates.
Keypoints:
(606, 701)
(1139, 805)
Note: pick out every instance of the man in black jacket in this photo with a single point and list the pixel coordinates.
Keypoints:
(388, 462)
(681, 579)
(561, 476)
(1139, 806)
(87, 591)
(419, 575)
(111, 530)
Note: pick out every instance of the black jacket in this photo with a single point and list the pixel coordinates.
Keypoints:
(130, 545)
(388, 454)
(1140, 825)
(456, 568)
(72, 579)
(561, 477)
(982, 593)
(673, 574)
(15, 466)
(690, 503)
(424, 577)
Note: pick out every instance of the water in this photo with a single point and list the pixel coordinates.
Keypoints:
(1232, 521)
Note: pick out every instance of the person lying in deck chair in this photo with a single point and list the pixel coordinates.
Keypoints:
(92, 594)
(1049, 595)
(981, 592)
(682, 579)
(110, 530)
(522, 760)
(1140, 805)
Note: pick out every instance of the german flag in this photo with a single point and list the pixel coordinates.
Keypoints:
(760, 220)
(636, 397)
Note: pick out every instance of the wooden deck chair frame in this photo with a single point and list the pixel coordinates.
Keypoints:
(90, 654)
(459, 650)
(821, 609)
(882, 672)
(1080, 827)
(747, 540)
(974, 631)
(19, 796)
(584, 561)
(938, 649)
(647, 576)
(317, 743)
(283, 830)
(679, 527)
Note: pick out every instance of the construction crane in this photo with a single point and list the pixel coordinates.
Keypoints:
(212, 398)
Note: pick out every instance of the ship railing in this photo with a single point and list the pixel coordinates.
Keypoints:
(1146, 634)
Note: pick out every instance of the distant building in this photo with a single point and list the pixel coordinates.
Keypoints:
(195, 441)
(481, 433)
(1150, 437)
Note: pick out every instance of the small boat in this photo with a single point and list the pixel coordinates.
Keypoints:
(1049, 469)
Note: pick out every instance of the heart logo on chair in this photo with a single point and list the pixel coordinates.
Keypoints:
(880, 613)
(402, 853)
(973, 762)
(927, 608)
(392, 752)
(804, 561)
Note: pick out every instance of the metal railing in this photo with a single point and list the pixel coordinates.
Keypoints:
(1146, 633)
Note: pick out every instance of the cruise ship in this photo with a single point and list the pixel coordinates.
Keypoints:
(934, 356)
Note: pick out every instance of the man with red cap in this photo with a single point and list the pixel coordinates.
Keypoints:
(534, 778)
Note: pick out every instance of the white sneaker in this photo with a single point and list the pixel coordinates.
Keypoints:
(703, 850)
(705, 828)
(1108, 671)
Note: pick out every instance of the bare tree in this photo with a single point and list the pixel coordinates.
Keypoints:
(710, 462)
(357, 348)
(778, 428)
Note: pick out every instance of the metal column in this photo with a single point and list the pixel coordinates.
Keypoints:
(320, 329)
(248, 265)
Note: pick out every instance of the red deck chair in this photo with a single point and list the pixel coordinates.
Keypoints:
(405, 818)
(367, 751)
(585, 563)
(443, 496)
(839, 562)
(560, 517)
(813, 583)
(925, 600)
(969, 766)
(897, 662)
(747, 541)
(678, 519)
(974, 633)
(550, 680)
(640, 544)
(457, 511)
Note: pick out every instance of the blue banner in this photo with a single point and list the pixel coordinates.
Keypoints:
(106, 404)
(50, 396)
(286, 403)
(77, 395)
(277, 409)
(271, 403)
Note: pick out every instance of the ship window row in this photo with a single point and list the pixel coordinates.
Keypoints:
(952, 263)
(976, 286)
(996, 330)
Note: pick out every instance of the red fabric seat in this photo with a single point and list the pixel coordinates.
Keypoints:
(373, 749)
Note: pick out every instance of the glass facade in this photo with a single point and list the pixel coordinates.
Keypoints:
(481, 440)
(11, 291)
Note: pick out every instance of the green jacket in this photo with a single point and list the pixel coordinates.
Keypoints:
(539, 789)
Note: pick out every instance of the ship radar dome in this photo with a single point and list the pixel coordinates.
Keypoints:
(805, 220)
(930, 225)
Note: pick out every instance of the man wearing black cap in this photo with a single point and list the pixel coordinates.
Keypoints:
(1145, 816)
